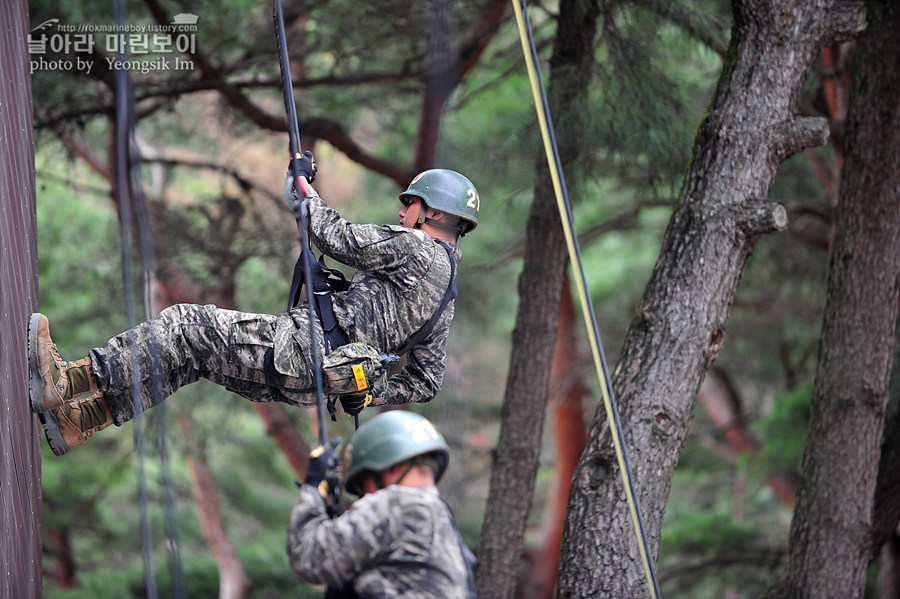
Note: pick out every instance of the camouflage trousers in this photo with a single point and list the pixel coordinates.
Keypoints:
(262, 357)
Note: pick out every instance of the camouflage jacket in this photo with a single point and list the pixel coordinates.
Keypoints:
(399, 542)
(402, 276)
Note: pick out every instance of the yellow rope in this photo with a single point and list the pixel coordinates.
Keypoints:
(574, 257)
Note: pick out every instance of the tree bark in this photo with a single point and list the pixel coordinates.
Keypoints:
(569, 431)
(723, 208)
(831, 532)
(515, 458)
(20, 438)
(540, 286)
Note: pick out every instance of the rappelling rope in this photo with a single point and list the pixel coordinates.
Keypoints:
(300, 183)
(565, 211)
(125, 160)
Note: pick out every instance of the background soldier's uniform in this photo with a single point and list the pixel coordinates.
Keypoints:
(399, 542)
(402, 275)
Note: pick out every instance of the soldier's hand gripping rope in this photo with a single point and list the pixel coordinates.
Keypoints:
(307, 168)
(354, 404)
(323, 472)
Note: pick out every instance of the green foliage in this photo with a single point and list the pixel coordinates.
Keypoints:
(709, 531)
(201, 578)
(651, 84)
(79, 253)
(723, 529)
(783, 431)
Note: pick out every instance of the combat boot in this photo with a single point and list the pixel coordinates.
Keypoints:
(71, 424)
(52, 379)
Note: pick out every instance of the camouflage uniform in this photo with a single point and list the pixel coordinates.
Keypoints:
(402, 275)
(399, 542)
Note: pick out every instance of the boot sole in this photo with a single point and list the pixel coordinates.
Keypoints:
(36, 392)
(36, 381)
(51, 430)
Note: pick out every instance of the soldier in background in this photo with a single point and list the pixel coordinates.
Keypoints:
(404, 273)
(398, 539)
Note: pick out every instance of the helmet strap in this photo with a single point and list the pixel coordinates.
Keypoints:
(409, 467)
(442, 225)
(378, 479)
(420, 215)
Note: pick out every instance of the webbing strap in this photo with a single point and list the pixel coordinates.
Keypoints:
(324, 281)
(449, 295)
(327, 280)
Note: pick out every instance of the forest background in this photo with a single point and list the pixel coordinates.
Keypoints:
(384, 90)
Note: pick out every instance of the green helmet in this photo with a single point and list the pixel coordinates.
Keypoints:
(446, 191)
(389, 439)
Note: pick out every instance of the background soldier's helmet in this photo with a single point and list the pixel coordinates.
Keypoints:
(447, 191)
(389, 439)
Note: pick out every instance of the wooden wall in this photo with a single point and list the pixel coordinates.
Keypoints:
(20, 456)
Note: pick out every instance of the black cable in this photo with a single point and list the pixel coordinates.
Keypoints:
(124, 201)
(132, 204)
(299, 182)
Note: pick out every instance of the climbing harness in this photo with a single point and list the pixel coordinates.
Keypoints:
(351, 368)
(565, 211)
(131, 203)
(325, 281)
(294, 201)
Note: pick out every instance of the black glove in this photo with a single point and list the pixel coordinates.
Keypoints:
(331, 490)
(354, 404)
(321, 459)
(306, 164)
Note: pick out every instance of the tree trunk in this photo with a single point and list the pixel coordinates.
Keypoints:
(830, 542)
(522, 416)
(723, 208)
(569, 431)
(540, 285)
(233, 582)
(61, 549)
